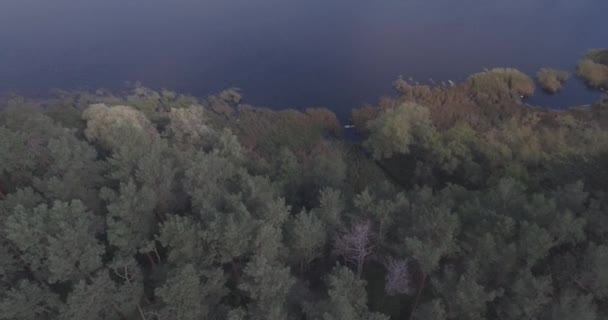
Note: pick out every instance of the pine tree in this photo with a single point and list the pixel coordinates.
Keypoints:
(307, 237)
(347, 299)
(184, 239)
(433, 232)
(191, 294)
(527, 297)
(131, 219)
(267, 285)
(465, 297)
(72, 172)
(331, 207)
(433, 310)
(57, 242)
(574, 306)
(594, 275)
(28, 301)
(99, 298)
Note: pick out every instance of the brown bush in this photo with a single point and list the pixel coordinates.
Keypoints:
(326, 118)
(265, 130)
(482, 101)
(361, 116)
(500, 83)
(594, 73)
(551, 80)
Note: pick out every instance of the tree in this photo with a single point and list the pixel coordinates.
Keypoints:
(230, 233)
(268, 242)
(99, 298)
(191, 294)
(72, 172)
(433, 310)
(17, 161)
(356, 245)
(28, 301)
(464, 296)
(58, 242)
(25, 133)
(270, 214)
(382, 211)
(307, 237)
(207, 178)
(347, 299)
(110, 125)
(267, 285)
(432, 235)
(184, 239)
(27, 198)
(593, 274)
(574, 306)
(534, 243)
(429, 236)
(398, 277)
(188, 128)
(131, 220)
(527, 297)
(396, 130)
(331, 207)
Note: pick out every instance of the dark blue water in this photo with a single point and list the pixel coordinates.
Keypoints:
(287, 53)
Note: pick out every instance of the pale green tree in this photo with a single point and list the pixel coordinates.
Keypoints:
(28, 301)
(131, 219)
(397, 129)
(59, 242)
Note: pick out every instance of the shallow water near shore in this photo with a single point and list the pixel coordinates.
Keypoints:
(335, 54)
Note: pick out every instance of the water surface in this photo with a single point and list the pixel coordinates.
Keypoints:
(285, 53)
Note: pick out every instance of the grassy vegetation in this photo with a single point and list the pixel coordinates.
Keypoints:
(501, 81)
(551, 80)
(486, 95)
(593, 68)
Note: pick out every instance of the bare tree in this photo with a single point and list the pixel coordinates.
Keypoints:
(397, 277)
(355, 245)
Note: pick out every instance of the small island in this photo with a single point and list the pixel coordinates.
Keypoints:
(593, 68)
(551, 80)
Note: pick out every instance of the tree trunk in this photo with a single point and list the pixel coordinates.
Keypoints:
(141, 312)
(359, 269)
(418, 296)
(235, 270)
(150, 259)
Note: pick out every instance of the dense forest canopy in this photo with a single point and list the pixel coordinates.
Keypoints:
(455, 202)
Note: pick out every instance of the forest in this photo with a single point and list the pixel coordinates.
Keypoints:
(454, 201)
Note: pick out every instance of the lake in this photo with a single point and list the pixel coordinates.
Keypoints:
(285, 53)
